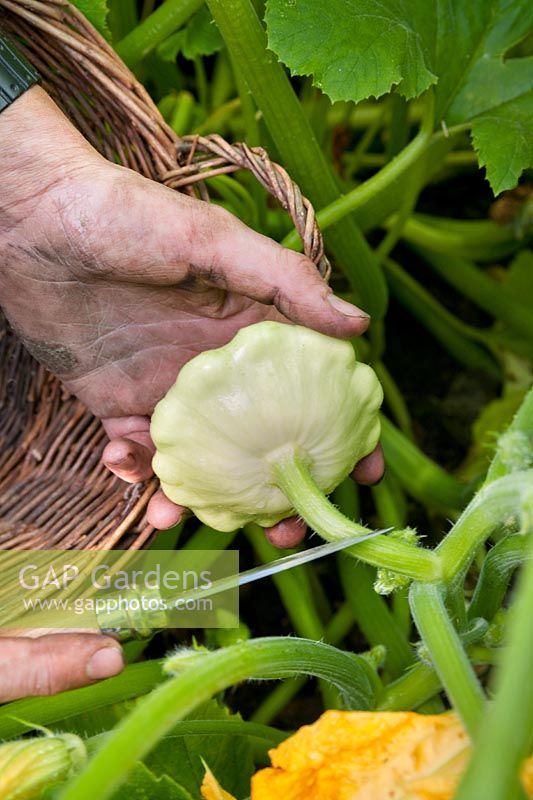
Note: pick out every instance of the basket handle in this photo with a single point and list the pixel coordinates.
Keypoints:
(122, 122)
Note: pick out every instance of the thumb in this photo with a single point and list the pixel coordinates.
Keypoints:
(197, 240)
(55, 662)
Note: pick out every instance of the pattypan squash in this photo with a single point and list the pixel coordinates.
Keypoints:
(235, 415)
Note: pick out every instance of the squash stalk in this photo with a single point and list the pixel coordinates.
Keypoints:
(294, 479)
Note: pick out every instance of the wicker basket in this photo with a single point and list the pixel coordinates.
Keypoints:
(54, 492)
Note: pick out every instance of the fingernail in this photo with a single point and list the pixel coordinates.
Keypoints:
(346, 308)
(126, 462)
(105, 663)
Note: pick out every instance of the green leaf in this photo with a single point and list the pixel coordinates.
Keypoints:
(481, 86)
(142, 784)
(96, 12)
(354, 49)
(358, 48)
(486, 79)
(503, 141)
(200, 37)
(229, 757)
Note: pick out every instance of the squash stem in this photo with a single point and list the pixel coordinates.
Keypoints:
(501, 502)
(447, 653)
(296, 482)
(505, 735)
(200, 675)
(166, 19)
(380, 183)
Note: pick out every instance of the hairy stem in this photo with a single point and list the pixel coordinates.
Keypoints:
(295, 591)
(498, 567)
(505, 735)
(373, 616)
(448, 656)
(495, 504)
(336, 629)
(296, 482)
(203, 676)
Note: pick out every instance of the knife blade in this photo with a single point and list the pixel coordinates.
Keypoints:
(129, 626)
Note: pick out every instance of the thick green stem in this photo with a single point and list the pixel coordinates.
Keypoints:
(380, 183)
(336, 629)
(373, 616)
(154, 29)
(136, 680)
(482, 290)
(480, 240)
(495, 504)
(410, 691)
(296, 482)
(447, 654)
(292, 134)
(418, 474)
(498, 567)
(505, 736)
(206, 675)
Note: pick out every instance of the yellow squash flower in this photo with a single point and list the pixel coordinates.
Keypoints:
(359, 755)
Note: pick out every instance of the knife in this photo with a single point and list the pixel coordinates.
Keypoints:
(126, 625)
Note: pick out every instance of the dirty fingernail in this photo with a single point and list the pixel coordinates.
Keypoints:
(346, 308)
(105, 663)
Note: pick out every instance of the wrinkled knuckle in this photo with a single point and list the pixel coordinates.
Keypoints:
(301, 264)
(47, 678)
(206, 229)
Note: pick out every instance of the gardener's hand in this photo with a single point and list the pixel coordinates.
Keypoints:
(114, 282)
(55, 662)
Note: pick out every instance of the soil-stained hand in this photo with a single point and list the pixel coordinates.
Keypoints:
(114, 282)
(55, 662)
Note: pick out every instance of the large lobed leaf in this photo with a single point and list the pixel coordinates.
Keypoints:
(355, 49)
(181, 758)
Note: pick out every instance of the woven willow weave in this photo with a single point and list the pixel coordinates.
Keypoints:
(54, 493)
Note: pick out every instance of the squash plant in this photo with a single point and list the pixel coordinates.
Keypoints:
(384, 119)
